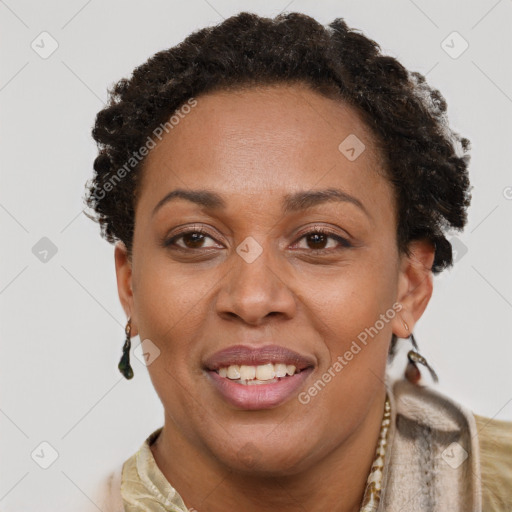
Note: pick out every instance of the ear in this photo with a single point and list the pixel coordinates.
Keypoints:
(124, 283)
(415, 286)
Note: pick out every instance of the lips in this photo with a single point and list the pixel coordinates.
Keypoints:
(263, 395)
(245, 355)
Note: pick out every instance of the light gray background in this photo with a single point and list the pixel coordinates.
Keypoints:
(61, 323)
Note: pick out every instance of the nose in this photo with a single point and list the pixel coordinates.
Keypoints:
(254, 291)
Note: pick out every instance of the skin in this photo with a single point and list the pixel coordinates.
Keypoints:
(253, 147)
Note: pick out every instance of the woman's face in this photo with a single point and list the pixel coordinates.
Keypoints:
(260, 275)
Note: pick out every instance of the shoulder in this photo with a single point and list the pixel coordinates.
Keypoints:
(121, 489)
(108, 495)
(118, 486)
(495, 440)
(139, 485)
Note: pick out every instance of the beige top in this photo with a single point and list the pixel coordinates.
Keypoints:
(143, 487)
(495, 438)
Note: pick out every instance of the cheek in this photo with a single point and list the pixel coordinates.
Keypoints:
(353, 298)
(169, 296)
(353, 313)
(171, 311)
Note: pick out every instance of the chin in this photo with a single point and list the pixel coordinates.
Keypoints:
(259, 456)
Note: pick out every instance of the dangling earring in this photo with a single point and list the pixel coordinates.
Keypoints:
(412, 372)
(124, 363)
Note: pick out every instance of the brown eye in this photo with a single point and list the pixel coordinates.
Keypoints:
(317, 239)
(191, 239)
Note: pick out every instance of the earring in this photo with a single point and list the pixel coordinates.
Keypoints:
(124, 363)
(412, 372)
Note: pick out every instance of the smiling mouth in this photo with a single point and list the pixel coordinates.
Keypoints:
(249, 375)
(257, 377)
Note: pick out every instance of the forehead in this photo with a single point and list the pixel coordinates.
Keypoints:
(278, 139)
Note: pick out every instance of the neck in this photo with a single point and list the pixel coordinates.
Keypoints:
(337, 482)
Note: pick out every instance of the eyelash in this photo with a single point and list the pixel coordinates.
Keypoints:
(345, 244)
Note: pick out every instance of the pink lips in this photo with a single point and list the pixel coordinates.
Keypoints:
(258, 396)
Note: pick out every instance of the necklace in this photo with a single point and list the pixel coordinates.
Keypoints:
(372, 492)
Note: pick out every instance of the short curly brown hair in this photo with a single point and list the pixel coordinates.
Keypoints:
(425, 160)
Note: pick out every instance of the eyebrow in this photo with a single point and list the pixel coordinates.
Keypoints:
(292, 202)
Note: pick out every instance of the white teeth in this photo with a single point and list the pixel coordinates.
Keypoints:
(263, 373)
(247, 372)
(233, 372)
(280, 370)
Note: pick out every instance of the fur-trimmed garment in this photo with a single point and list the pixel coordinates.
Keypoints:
(440, 458)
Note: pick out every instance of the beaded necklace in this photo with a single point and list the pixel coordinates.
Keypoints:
(372, 492)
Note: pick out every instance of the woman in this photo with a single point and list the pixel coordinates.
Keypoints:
(279, 194)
